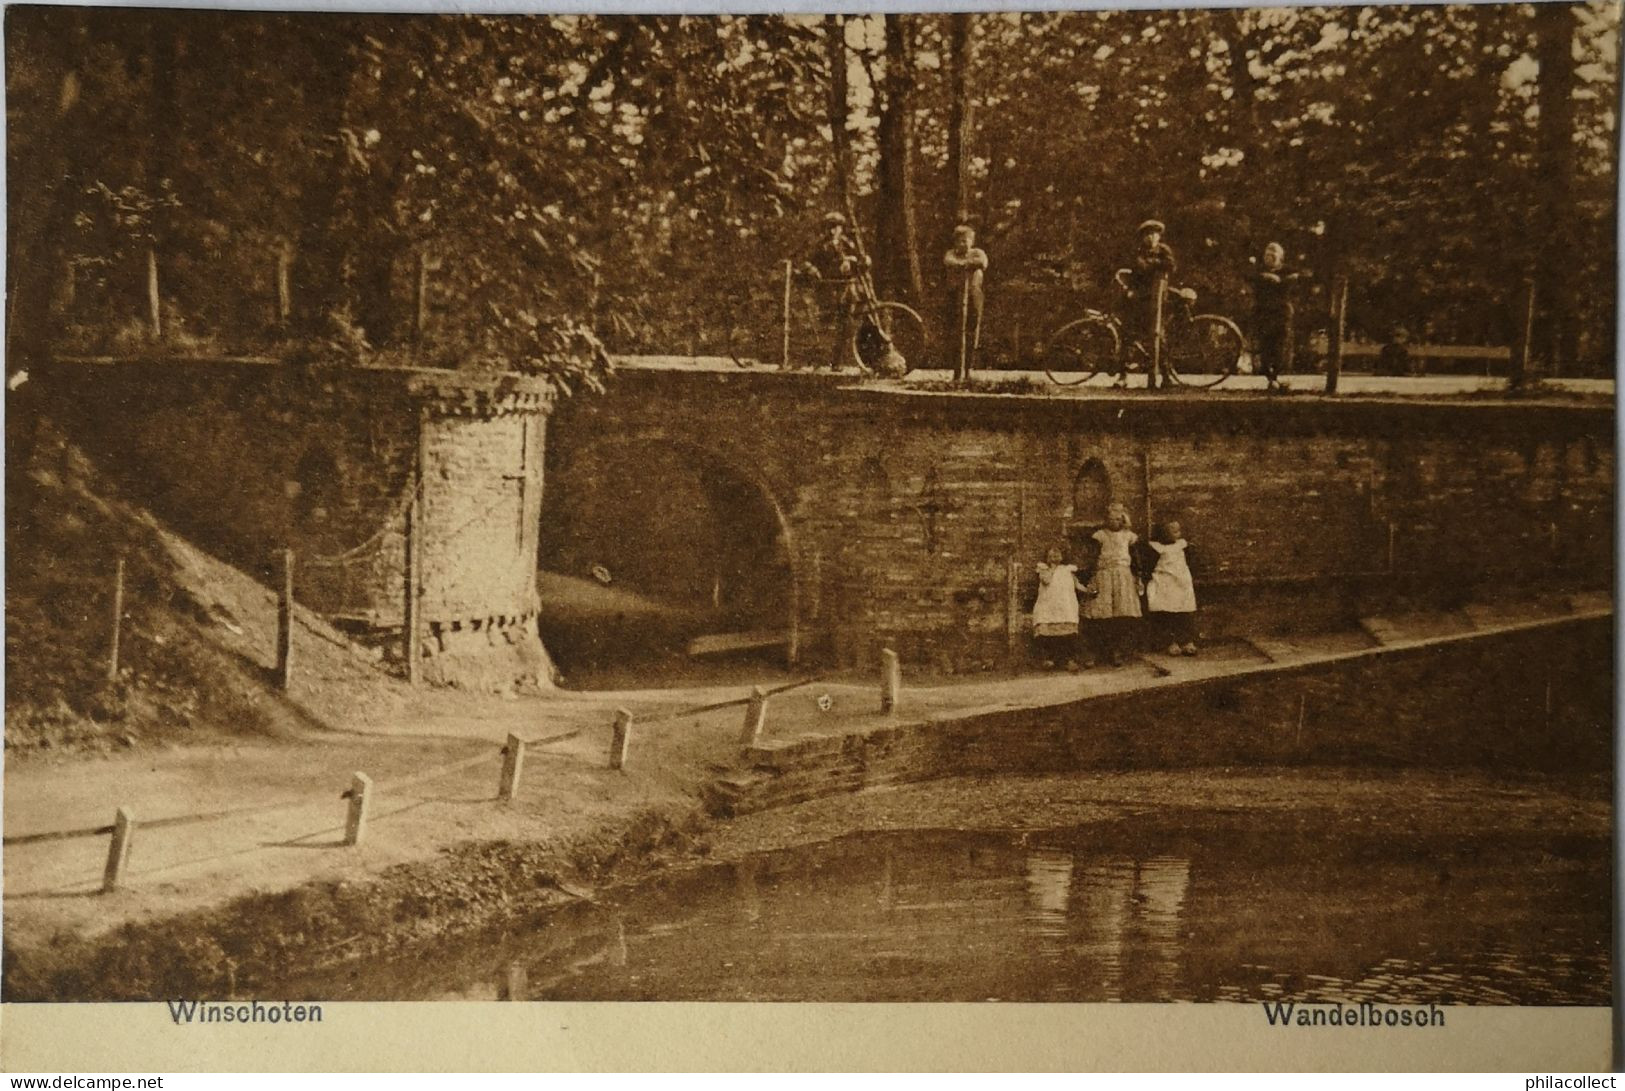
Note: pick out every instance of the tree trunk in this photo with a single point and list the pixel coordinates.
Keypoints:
(42, 196)
(959, 54)
(1250, 178)
(841, 141)
(318, 272)
(897, 258)
(1557, 333)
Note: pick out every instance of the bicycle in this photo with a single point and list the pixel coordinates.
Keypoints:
(888, 337)
(1198, 350)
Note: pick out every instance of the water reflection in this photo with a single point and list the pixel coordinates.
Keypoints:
(1107, 913)
(1049, 883)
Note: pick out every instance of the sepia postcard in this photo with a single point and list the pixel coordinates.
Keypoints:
(1075, 539)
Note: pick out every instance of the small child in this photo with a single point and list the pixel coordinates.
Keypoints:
(1055, 611)
(1169, 594)
(1117, 592)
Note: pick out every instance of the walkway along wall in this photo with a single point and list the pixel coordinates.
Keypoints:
(914, 518)
(251, 457)
(1527, 700)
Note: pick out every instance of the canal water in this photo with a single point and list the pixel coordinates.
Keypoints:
(1124, 912)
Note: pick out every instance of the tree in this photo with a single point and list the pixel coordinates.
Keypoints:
(1557, 261)
(959, 109)
(840, 140)
(897, 250)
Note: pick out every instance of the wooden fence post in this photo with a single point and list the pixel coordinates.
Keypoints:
(621, 739)
(284, 290)
(155, 315)
(1334, 354)
(755, 717)
(1518, 372)
(784, 349)
(284, 625)
(891, 680)
(513, 763)
(360, 795)
(411, 625)
(420, 301)
(118, 620)
(118, 853)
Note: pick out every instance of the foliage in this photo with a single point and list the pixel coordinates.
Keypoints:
(559, 184)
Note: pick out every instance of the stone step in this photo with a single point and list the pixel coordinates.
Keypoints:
(1276, 651)
(1587, 602)
(1382, 630)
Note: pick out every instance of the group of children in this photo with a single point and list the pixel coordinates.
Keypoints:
(1101, 610)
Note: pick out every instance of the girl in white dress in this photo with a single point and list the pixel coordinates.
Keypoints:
(1117, 592)
(1055, 611)
(1169, 594)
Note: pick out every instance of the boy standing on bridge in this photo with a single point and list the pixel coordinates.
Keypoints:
(1154, 265)
(1272, 315)
(836, 265)
(966, 265)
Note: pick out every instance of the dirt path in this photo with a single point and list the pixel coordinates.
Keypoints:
(284, 826)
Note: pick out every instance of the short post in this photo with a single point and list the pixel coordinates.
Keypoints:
(154, 305)
(518, 983)
(284, 625)
(1518, 372)
(621, 739)
(118, 620)
(784, 349)
(118, 853)
(1334, 356)
(411, 626)
(284, 292)
(360, 795)
(891, 680)
(513, 763)
(755, 717)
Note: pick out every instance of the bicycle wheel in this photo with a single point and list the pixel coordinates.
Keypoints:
(890, 339)
(1204, 352)
(1080, 350)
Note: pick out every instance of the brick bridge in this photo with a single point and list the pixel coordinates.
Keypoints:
(835, 517)
(851, 517)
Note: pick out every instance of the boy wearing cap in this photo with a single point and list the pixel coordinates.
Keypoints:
(836, 265)
(1153, 262)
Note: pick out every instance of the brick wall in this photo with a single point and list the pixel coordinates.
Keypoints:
(907, 511)
(248, 458)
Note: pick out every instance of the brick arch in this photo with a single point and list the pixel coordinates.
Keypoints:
(1092, 492)
(726, 465)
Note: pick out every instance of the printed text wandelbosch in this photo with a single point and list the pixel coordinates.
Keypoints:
(1282, 1013)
